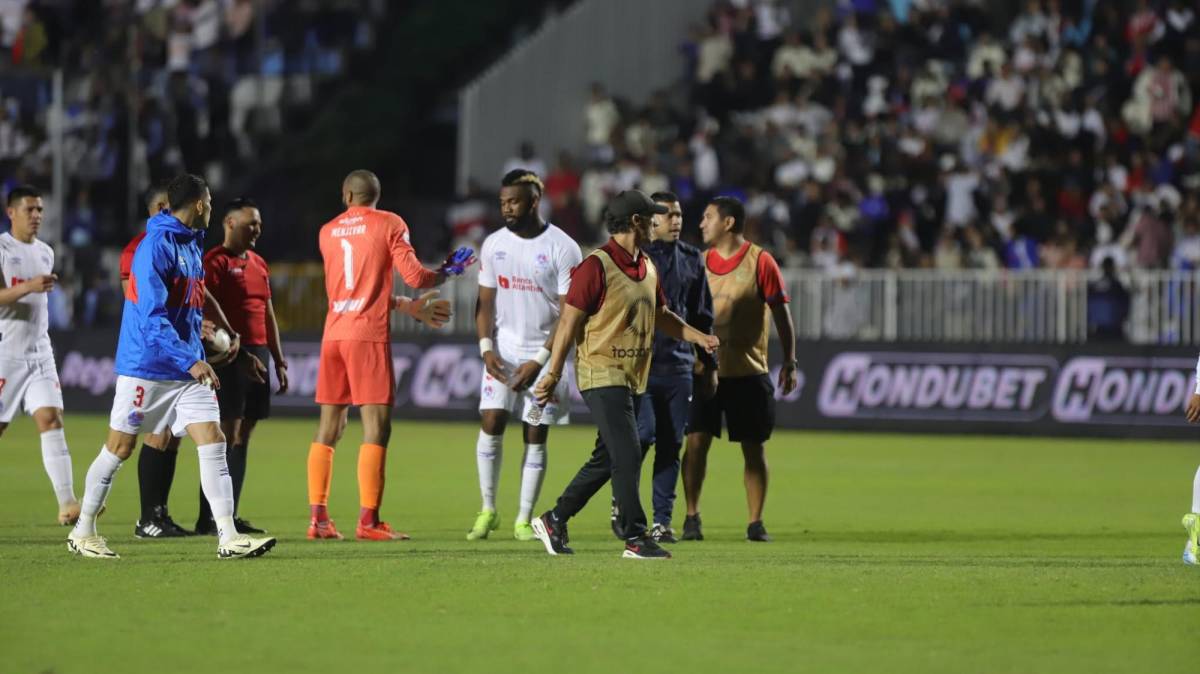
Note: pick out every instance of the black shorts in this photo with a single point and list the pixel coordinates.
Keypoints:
(747, 405)
(241, 398)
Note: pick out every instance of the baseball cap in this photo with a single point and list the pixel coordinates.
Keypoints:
(634, 202)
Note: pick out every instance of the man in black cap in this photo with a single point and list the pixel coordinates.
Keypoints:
(612, 309)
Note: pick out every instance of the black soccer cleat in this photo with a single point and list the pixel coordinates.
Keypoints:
(244, 527)
(644, 547)
(206, 527)
(159, 525)
(552, 533)
(691, 528)
(757, 532)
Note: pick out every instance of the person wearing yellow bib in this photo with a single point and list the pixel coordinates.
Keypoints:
(748, 293)
(612, 309)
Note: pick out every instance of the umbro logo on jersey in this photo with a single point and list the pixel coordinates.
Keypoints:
(500, 255)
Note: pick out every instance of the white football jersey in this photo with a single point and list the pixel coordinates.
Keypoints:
(24, 324)
(529, 275)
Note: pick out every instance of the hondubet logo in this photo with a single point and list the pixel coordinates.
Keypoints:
(905, 385)
(1123, 390)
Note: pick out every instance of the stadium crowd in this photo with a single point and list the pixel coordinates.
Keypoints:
(212, 82)
(920, 134)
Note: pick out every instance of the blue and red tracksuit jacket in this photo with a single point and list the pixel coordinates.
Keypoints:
(164, 305)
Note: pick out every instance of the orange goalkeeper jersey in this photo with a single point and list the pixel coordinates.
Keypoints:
(360, 247)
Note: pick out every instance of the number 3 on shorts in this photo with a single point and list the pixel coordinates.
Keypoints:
(139, 396)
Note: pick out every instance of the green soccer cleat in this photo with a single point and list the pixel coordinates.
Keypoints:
(485, 523)
(1191, 551)
(523, 531)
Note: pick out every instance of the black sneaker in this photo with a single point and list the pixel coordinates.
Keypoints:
(662, 533)
(206, 527)
(644, 548)
(552, 533)
(691, 528)
(160, 525)
(616, 526)
(757, 532)
(244, 527)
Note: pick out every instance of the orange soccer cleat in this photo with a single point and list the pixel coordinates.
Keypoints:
(323, 530)
(379, 531)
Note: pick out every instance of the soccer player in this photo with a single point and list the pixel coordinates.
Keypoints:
(160, 451)
(662, 413)
(240, 280)
(163, 380)
(525, 270)
(28, 377)
(360, 247)
(748, 291)
(613, 307)
(1191, 521)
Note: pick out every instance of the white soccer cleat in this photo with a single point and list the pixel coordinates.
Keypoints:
(242, 546)
(94, 546)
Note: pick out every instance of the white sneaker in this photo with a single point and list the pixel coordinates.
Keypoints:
(94, 546)
(242, 545)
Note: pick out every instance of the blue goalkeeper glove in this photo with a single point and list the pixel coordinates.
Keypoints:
(458, 261)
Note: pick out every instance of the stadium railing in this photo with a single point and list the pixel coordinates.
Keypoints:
(1036, 306)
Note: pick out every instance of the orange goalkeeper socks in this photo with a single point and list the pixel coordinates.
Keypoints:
(371, 463)
(320, 473)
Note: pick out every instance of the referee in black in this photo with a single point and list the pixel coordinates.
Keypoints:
(611, 311)
(241, 281)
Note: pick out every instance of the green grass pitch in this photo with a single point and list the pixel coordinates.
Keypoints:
(892, 554)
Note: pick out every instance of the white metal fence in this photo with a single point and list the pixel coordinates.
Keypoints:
(1042, 306)
(937, 306)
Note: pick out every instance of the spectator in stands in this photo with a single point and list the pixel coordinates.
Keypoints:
(1108, 305)
(31, 41)
(602, 117)
(526, 158)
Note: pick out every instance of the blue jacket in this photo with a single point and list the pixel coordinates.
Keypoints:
(160, 326)
(684, 282)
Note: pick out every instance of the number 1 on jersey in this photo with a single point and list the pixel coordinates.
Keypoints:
(348, 263)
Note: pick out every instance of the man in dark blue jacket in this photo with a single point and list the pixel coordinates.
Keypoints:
(663, 410)
(163, 380)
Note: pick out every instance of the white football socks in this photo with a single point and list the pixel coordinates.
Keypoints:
(489, 450)
(57, 460)
(95, 490)
(1196, 492)
(531, 479)
(218, 488)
